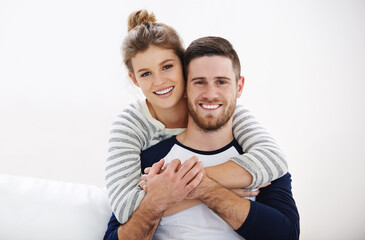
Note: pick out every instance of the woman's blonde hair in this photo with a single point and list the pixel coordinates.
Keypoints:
(143, 31)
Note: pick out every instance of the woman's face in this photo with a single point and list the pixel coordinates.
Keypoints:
(158, 72)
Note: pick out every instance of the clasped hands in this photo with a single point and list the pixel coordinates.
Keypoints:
(178, 186)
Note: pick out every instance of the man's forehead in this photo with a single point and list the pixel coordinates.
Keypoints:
(211, 66)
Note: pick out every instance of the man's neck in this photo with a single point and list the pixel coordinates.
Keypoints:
(203, 140)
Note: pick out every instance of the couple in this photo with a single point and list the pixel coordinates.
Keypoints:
(183, 200)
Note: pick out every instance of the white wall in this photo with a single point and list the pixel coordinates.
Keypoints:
(62, 82)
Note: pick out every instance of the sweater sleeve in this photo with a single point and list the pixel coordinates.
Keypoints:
(262, 157)
(134, 130)
(128, 136)
(274, 214)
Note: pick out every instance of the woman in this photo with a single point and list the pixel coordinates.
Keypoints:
(152, 53)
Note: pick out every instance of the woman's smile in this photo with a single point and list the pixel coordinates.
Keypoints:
(164, 92)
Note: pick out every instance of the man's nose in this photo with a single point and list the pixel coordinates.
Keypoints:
(210, 92)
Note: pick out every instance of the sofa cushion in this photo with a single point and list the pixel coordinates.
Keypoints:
(32, 208)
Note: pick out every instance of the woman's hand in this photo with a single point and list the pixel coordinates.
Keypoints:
(143, 182)
(249, 193)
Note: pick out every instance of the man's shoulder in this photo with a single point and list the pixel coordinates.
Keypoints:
(237, 146)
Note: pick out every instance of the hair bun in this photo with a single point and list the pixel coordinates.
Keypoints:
(140, 17)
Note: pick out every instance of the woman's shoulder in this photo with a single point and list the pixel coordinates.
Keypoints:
(241, 111)
(137, 113)
(136, 109)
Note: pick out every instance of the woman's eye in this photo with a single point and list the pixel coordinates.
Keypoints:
(167, 67)
(145, 74)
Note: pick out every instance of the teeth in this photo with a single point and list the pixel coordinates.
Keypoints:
(210, 106)
(164, 91)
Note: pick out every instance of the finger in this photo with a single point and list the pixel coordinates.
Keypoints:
(187, 166)
(144, 177)
(192, 172)
(194, 182)
(155, 169)
(142, 184)
(165, 166)
(245, 193)
(147, 170)
(264, 185)
(173, 165)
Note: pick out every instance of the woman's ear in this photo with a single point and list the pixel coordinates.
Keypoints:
(131, 75)
(240, 84)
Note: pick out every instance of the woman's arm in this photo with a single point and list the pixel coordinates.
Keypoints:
(123, 167)
(133, 131)
(230, 175)
(262, 157)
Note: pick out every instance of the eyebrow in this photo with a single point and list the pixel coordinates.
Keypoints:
(198, 78)
(203, 78)
(167, 60)
(161, 63)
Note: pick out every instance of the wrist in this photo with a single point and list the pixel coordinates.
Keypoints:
(206, 188)
(151, 209)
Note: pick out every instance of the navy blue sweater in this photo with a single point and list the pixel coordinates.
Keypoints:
(273, 215)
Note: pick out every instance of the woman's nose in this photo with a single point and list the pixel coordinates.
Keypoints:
(159, 80)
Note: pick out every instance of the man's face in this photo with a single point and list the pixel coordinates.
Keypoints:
(212, 91)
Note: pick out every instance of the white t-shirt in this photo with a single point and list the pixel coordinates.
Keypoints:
(198, 222)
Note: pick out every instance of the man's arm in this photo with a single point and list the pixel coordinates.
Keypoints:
(273, 216)
(141, 225)
(165, 189)
(228, 205)
(144, 221)
(229, 175)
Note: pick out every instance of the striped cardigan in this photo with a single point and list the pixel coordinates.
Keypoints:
(135, 130)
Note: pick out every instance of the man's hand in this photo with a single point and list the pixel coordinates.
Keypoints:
(174, 183)
(165, 189)
(206, 185)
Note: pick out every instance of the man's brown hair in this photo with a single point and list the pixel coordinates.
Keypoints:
(212, 46)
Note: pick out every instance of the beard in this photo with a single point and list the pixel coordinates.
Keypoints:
(211, 122)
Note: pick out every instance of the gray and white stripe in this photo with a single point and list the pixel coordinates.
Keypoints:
(135, 130)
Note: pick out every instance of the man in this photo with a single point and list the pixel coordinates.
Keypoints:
(213, 84)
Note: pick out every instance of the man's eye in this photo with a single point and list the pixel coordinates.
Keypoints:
(145, 74)
(199, 82)
(167, 67)
(221, 82)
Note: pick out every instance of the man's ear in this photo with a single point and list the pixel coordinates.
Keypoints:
(240, 84)
(131, 75)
